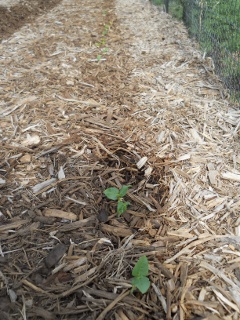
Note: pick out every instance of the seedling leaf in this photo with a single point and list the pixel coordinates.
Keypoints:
(141, 268)
(123, 191)
(112, 193)
(122, 207)
(104, 50)
(142, 284)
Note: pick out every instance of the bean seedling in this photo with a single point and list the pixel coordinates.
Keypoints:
(106, 29)
(118, 194)
(140, 280)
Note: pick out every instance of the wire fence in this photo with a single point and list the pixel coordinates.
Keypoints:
(215, 24)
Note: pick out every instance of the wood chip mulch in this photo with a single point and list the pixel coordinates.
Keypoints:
(106, 94)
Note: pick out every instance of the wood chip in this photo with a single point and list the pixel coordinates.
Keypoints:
(60, 214)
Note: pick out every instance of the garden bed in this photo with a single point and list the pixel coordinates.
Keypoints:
(98, 96)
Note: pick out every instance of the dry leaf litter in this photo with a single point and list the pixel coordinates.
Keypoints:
(83, 110)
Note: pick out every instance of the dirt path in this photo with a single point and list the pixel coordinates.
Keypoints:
(97, 96)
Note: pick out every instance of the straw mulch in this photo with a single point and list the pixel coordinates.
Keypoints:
(106, 94)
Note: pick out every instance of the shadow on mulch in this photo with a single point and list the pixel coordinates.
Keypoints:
(11, 19)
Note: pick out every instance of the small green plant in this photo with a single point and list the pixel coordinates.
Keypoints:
(103, 41)
(105, 50)
(106, 29)
(118, 194)
(100, 43)
(140, 280)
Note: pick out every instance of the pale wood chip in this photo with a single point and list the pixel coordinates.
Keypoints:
(60, 214)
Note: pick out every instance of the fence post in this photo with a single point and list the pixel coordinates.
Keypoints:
(166, 2)
(184, 5)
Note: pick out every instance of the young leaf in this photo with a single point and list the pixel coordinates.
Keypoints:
(141, 268)
(104, 50)
(122, 207)
(123, 191)
(142, 284)
(112, 193)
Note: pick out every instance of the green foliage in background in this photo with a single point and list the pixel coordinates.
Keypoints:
(175, 7)
(215, 24)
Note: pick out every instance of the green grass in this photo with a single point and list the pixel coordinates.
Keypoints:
(157, 2)
(215, 24)
(176, 10)
(175, 7)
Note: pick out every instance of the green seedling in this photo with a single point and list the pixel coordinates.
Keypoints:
(140, 280)
(106, 29)
(103, 41)
(105, 50)
(100, 43)
(99, 57)
(118, 194)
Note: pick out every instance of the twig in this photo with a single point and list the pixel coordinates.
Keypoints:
(112, 304)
